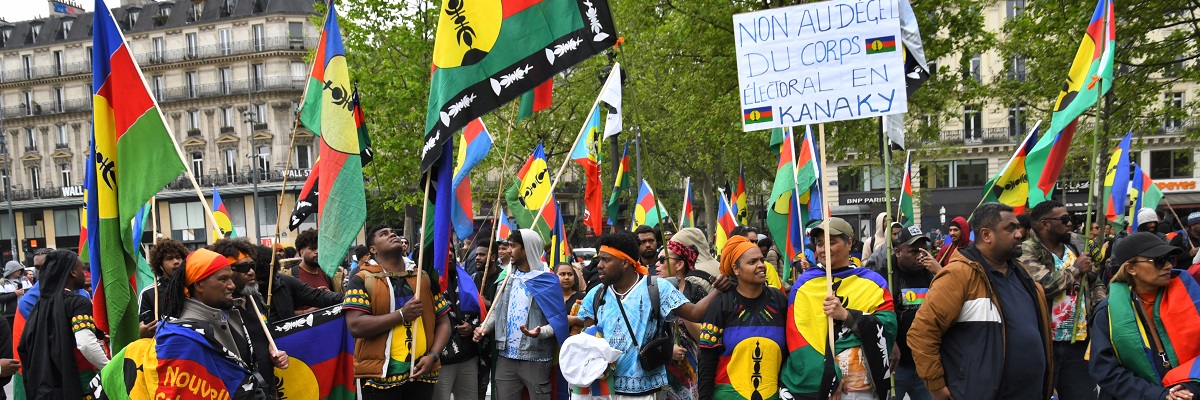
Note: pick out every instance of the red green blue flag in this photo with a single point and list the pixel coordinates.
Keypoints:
(648, 211)
(687, 218)
(587, 154)
(328, 111)
(1045, 162)
(906, 216)
(1011, 184)
(1116, 180)
(725, 223)
(783, 191)
(1148, 194)
(487, 53)
(324, 372)
(476, 143)
(619, 185)
(134, 156)
(504, 228)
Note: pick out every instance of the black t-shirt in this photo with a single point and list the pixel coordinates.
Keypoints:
(1024, 360)
(908, 295)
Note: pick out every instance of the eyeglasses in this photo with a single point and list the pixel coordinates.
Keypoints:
(1065, 219)
(1159, 263)
(242, 267)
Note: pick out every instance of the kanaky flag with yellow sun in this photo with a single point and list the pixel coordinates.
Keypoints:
(487, 53)
(328, 111)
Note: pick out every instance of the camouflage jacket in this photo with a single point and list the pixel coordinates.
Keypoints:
(1039, 262)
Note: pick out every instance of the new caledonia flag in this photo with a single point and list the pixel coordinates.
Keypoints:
(134, 157)
(328, 112)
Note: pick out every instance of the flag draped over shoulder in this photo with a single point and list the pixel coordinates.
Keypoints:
(476, 143)
(1090, 77)
(587, 154)
(621, 183)
(328, 111)
(190, 368)
(905, 215)
(807, 327)
(647, 211)
(323, 372)
(1116, 180)
(134, 156)
(1011, 184)
(488, 53)
(687, 218)
(1177, 318)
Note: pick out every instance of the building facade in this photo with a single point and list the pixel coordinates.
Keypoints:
(228, 76)
(982, 139)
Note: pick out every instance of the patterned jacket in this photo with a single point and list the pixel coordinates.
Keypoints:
(1039, 262)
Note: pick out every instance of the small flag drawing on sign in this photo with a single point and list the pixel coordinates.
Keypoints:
(883, 44)
(756, 115)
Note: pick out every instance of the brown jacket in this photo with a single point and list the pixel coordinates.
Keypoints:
(960, 328)
(370, 354)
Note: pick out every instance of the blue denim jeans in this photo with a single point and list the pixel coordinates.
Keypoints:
(910, 384)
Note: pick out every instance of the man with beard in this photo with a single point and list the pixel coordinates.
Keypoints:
(984, 329)
(60, 346)
(308, 270)
(289, 293)
(210, 329)
(249, 303)
(1071, 287)
(648, 244)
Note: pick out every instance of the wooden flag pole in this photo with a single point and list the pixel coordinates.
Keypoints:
(412, 350)
(287, 162)
(497, 211)
(825, 231)
(154, 241)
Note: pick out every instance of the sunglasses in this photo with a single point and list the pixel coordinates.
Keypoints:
(242, 267)
(1065, 219)
(1159, 263)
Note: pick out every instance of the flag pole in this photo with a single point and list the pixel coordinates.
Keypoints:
(287, 163)
(412, 350)
(825, 230)
(496, 210)
(154, 241)
(887, 200)
(1098, 81)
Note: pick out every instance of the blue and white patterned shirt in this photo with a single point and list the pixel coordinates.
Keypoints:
(629, 377)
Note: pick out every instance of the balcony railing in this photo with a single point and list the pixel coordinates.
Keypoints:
(280, 43)
(22, 110)
(231, 87)
(982, 136)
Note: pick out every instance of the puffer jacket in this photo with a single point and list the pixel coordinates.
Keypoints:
(960, 328)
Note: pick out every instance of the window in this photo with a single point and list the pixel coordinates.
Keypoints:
(227, 117)
(187, 222)
(1174, 109)
(197, 9)
(64, 171)
(192, 81)
(27, 101)
(134, 12)
(159, 48)
(264, 159)
(1016, 68)
(89, 63)
(299, 72)
(954, 174)
(1014, 8)
(260, 113)
(35, 224)
(972, 125)
(30, 139)
(932, 68)
(58, 62)
(35, 30)
(256, 76)
(35, 179)
(259, 37)
(61, 137)
(267, 213)
(197, 163)
(1016, 120)
(296, 30)
(158, 82)
(67, 24)
(864, 179)
(193, 120)
(1171, 164)
(236, 205)
(192, 45)
(66, 223)
(230, 165)
(1172, 69)
(976, 71)
(58, 98)
(27, 62)
(303, 156)
(226, 77)
(226, 41)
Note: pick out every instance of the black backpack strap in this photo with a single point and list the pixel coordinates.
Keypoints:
(655, 302)
(598, 301)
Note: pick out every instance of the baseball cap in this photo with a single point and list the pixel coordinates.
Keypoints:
(910, 236)
(1143, 244)
(837, 226)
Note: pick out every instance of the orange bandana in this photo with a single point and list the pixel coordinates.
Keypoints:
(637, 266)
(734, 248)
(202, 263)
(240, 256)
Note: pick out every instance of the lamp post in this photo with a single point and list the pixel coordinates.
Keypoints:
(248, 118)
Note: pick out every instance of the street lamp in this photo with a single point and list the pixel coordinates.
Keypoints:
(248, 117)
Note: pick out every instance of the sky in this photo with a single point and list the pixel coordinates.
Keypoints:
(23, 10)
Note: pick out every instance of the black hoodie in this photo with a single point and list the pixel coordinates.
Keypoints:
(47, 345)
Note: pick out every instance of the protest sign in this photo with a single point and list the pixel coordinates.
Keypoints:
(821, 62)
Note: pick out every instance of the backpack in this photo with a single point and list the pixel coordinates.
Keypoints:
(657, 351)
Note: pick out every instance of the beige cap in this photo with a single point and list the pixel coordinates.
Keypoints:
(837, 226)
